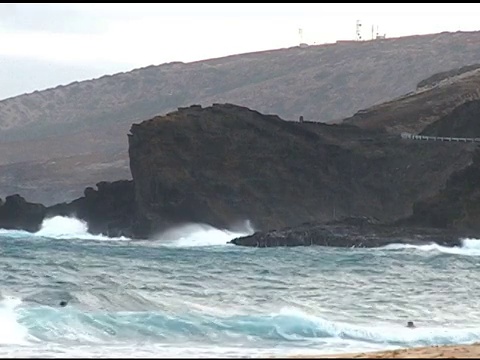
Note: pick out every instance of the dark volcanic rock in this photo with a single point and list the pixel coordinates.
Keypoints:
(463, 121)
(108, 210)
(456, 206)
(363, 235)
(225, 163)
(17, 213)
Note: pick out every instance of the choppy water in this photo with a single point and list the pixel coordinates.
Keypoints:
(189, 294)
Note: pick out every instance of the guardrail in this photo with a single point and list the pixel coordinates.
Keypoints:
(438, 138)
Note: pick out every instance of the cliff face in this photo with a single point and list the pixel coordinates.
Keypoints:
(56, 142)
(224, 164)
(456, 206)
(463, 121)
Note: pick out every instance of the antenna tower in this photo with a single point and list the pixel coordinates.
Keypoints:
(358, 30)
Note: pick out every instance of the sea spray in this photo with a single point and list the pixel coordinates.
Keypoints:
(11, 332)
(190, 235)
(64, 227)
(470, 247)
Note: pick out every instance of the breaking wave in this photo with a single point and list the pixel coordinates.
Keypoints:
(64, 227)
(470, 247)
(189, 235)
(30, 324)
(186, 235)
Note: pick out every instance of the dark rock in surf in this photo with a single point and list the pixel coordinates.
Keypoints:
(359, 233)
(16, 213)
(109, 210)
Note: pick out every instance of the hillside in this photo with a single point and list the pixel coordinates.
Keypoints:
(56, 142)
(419, 110)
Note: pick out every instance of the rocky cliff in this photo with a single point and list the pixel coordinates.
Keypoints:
(456, 206)
(58, 141)
(225, 163)
(463, 121)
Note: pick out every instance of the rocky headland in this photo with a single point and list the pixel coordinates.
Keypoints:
(299, 183)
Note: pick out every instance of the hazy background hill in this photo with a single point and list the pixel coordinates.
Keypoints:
(54, 143)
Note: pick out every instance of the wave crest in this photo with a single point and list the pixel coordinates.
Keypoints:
(64, 227)
(189, 235)
(291, 325)
(470, 247)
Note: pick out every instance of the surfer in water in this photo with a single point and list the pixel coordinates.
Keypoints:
(411, 325)
(63, 303)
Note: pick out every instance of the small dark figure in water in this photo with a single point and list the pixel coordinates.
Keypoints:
(63, 303)
(410, 325)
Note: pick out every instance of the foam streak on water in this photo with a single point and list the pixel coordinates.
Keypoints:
(187, 293)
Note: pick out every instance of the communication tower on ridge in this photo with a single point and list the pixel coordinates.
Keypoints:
(380, 36)
(300, 33)
(358, 30)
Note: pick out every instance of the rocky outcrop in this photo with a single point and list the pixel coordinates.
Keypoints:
(17, 213)
(359, 234)
(457, 206)
(46, 134)
(225, 164)
(463, 121)
(416, 111)
(446, 75)
(107, 210)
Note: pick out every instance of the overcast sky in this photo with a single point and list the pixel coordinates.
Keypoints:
(45, 45)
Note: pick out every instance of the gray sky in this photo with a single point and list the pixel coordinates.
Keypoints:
(45, 45)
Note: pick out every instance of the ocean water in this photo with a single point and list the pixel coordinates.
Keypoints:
(189, 294)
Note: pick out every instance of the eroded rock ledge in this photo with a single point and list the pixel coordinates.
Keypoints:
(358, 233)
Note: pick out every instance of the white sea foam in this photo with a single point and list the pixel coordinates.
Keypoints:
(14, 233)
(189, 235)
(11, 332)
(63, 227)
(470, 247)
(186, 235)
